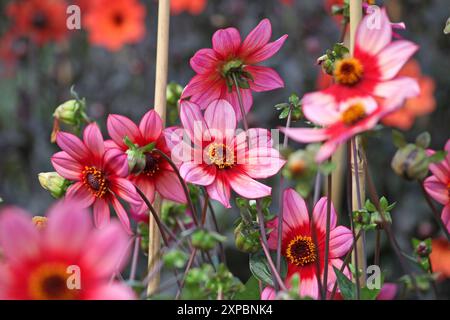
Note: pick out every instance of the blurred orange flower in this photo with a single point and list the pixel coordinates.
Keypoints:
(440, 257)
(421, 105)
(112, 24)
(40, 20)
(191, 6)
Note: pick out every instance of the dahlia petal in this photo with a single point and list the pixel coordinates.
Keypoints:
(219, 190)
(93, 139)
(268, 294)
(320, 215)
(320, 108)
(120, 127)
(198, 174)
(101, 213)
(233, 99)
(266, 52)
(371, 37)
(147, 186)
(388, 291)
(115, 162)
(68, 227)
(398, 89)
(295, 212)
(336, 263)
(327, 150)
(257, 38)
(19, 238)
(73, 146)
(173, 136)
(107, 251)
(257, 138)
(124, 189)
(66, 166)
(440, 170)
(264, 78)
(392, 58)
(121, 214)
(306, 135)
(309, 287)
(226, 41)
(262, 163)
(151, 126)
(192, 119)
(79, 193)
(169, 186)
(445, 216)
(436, 189)
(247, 187)
(220, 119)
(204, 61)
(114, 291)
(341, 240)
(203, 90)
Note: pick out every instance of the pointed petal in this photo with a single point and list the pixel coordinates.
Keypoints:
(73, 146)
(232, 98)
(192, 119)
(309, 287)
(204, 61)
(341, 240)
(436, 189)
(268, 294)
(226, 41)
(374, 33)
(122, 215)
(306, 135)
(79, 193)
(198, 174)
(246, 186)
(220, 119)
(446, 216)
(66, 166)
(262, 163)
(295, 212)
(116, 163)
(124, 189)
(169, 186)
(151, 126)
(219, 190)
(101, 213)
(392, 58)
(397, 89)
(320, 108)
(320, 215)
(93, 139)
(120, 127)
(264, 78)
(257, 38)
(266, 52)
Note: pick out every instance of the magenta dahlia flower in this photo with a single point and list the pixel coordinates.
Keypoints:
(438, 185)
(219, 159)
(298, 245)
(98, 174)
(67, 259)
(157, 174)
(231, 59)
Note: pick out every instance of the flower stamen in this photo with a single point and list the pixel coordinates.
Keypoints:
(95, 180)
(353, 114)
(221, 155)
(301, 251)
(348, 71)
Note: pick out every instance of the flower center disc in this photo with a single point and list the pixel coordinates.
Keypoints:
(40, 20)
(348, 71)
(95, 180)
(151, 164)
(221, 155)
(353, 114)
(301, 251)
(49, 282)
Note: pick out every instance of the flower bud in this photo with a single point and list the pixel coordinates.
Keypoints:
(246, 238)
(136, 161)
(39, 222)
(54, 183)
(423, 250)
(173, 93)
(204, 240)
(410, 162)
(69, 112)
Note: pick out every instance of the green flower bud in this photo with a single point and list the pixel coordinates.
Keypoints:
(173, 93)
(136, 161)
(204, 240)
(175, 259)
(410, 162)
(54, 183)
(246, 238)
(69, 112)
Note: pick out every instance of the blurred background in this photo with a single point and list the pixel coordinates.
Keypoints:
(41, 59)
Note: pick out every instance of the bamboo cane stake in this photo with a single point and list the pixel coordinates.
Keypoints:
(358, 196)
(162, 57)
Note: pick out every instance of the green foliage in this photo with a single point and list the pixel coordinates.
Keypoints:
(293, 106)
(206, 240)
(175, 259)
(259, 266)
(331, 56)
(250, 292)
(369, 218)
(422, 251)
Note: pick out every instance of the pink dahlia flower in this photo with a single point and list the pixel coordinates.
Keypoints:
(98, 174)
(298, 245)
(157, 175)
(229, 58)
(68, 259)
(216, 157)
(438, 185)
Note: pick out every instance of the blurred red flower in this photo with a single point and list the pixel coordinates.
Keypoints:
(192, 6)
(421, 105)
(112, 24)
(440, 257)
(41, 20)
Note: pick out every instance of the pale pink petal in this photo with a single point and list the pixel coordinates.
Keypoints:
(120, 127)
(122, 215)
(68, 227)
(341, 240)
(107, 251)
(198, 174)
(220, 119)
(219, 190)
(114, 291)
(399, 89)
(337, 263)
(262, 163)
(257, 38)
(151, 126)
(73, 146)
(192, 119)
(264, 78)
(257, 138)
(232, 98)
(147, 186)
(436, 189)
(19, 238)
(246, 186)
(320, 108)
(169, 186)
(387, 292)
(306, 135)
(80, 193)
(66, 166)
(173, 136)
(93, 140)
(440, 170)
(309, 287)
(320, 215)
(226, 41)
(124, 189)
(101, 213)
(204, 61)
(266, 52)
(116, 163)
(203, 90)
(445, 216)
(327, 150)
(371, 37)
(295, 212)
(268, 294)
(392, 58)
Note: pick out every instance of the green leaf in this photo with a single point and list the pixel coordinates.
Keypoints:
(370, 206)
(438, 156)
(384, 203)
(327, 167)
(284, 113)
(260, 268)
(398, 138)
(346, 286)
(447, 27)
(369, 294)
(251, 291)
(423, 140)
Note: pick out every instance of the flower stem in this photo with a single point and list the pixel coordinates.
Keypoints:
(135, 258)
(241, 104)
(316, 244)
(434, 210)
(327, 233)
(188, 267)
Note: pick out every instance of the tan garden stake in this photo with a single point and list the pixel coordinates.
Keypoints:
(162, 57)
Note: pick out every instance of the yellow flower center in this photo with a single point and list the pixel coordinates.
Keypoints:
(353, 114)
(49, 282)
(221, 155)
(95, 180)
(348, 71)
(301, 251)
(39, 222)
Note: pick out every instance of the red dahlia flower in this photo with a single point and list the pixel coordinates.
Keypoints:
(98, 174)
(231, 59)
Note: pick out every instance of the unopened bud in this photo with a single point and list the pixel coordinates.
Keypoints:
(410, 162)
(69, 112)
(54, 183)
(423, 250)
(136, 161)
(246, 238)
(173, 93)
